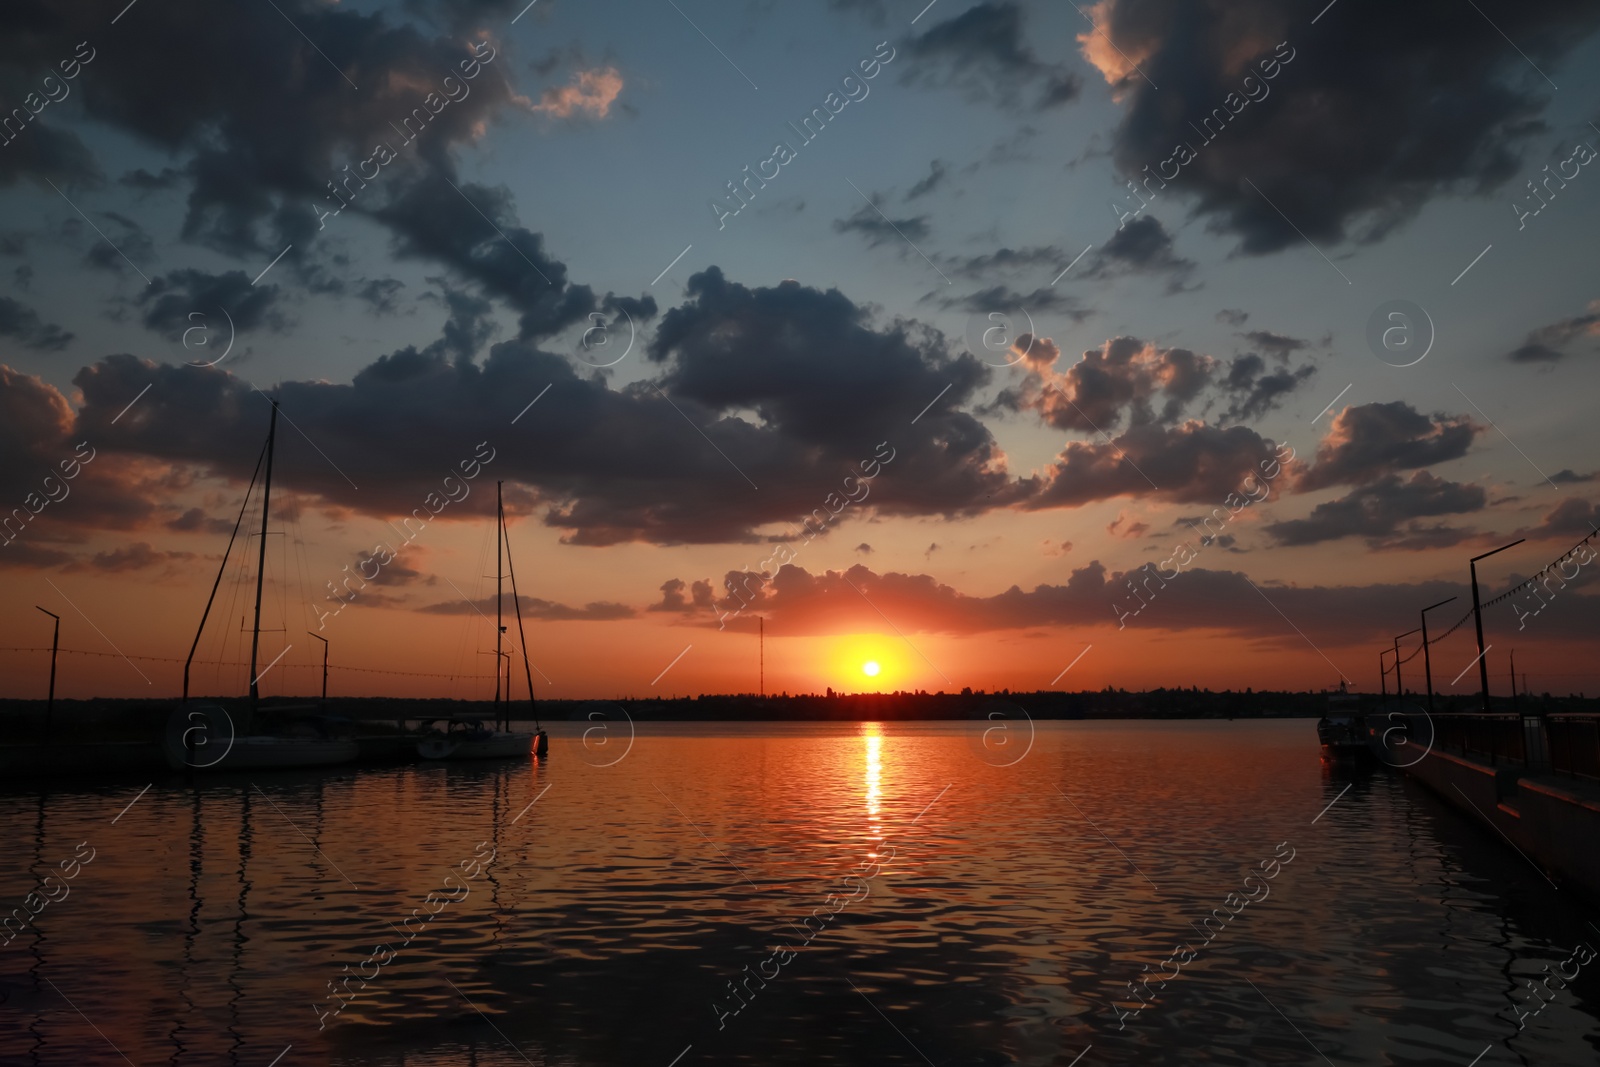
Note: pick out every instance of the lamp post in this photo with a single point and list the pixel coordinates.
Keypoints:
(1399, 686)
(324, 641)
(1477, 618)
(55, 644)
(1383, 674)
(1427, 661)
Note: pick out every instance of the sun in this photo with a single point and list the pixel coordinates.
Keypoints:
(870, 668)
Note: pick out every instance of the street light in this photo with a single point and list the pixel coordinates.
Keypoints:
(55, 643)
(1399, 686)
(1477, 618)
(1427, 662)
(324, 641)
(1383, 673)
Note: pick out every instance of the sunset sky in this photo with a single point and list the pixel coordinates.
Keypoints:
(1034, 293)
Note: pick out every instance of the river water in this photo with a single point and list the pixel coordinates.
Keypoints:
(912, 893)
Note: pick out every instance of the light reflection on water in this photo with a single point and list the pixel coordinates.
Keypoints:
(621, 904)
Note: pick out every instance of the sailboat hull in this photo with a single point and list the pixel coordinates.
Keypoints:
(500, 746)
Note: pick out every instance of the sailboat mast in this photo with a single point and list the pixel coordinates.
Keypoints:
(522, 636)
(499, 571)
(261, 561)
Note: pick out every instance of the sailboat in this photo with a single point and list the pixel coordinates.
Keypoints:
(468, 738)
(304, 745)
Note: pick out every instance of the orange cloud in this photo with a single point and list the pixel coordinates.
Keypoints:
(591, 93)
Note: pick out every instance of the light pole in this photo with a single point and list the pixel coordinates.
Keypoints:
(1399, 686)
(1383, 674)
(1477, 618)
(324, 641)
(55, 644)
(1427, 661)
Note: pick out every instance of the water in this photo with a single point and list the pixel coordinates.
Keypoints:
(1005, 896)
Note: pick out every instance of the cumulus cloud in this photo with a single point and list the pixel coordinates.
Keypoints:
(1125, 380)
(1192, 463)
(21, 323)
(170, 299)
(797, 386)
(1253, 391)
(1357, 130)
(1368, 441)
(1385, 512)
(591, 95)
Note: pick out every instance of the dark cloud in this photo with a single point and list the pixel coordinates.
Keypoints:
(131, 241)
(195, 520)
(1573, 517)
(1125, 381)
(1003, 298)
(1232, 316)
(1567, 476)
(1383, 512)
(380, 294)
(1199, 599)
(1254, 392)
(700, 600)
(1008, 259)
(1279, 346)
(1553, 343)
(1142, 246)
(877, 228)
(534, 608)
(982, 53)
(22, 323)
(796, 386)
(1369, 441)
(170, 299)
(1360, 126)
(1192, 463)
(935, 178)
(473, 229)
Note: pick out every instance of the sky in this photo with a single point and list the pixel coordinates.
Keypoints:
(1005, 345)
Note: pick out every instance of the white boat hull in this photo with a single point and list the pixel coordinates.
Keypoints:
(500, 746)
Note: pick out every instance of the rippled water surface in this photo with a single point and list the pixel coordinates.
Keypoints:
(967, 904)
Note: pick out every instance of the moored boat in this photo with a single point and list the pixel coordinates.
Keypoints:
(1342, 730)
(470, 739)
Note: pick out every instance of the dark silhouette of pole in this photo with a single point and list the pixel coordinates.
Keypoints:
(261, 564)
(1427, 660)
(499, 575)
(324, 641)
(55, 644)
(1477, 618)
(1383, 673)
(1399, 686)
(1513, 680)
(763, 654)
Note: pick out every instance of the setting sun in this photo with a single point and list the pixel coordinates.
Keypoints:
(870, 668)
